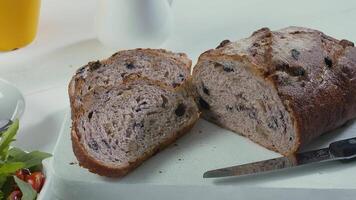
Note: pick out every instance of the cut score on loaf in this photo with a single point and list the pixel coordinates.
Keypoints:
(281, 89)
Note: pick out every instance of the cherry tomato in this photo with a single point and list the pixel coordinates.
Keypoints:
(22, 174)
(15, 195)
(36, 180)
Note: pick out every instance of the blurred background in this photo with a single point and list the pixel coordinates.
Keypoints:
(204, 23)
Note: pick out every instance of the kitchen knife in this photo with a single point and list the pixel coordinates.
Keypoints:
(339, 150)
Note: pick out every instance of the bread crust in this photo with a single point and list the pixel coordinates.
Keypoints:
(320, 89)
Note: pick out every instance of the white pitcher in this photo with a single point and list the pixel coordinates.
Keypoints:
(125, 24)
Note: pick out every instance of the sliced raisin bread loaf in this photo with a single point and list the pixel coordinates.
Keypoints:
(156, 64)
(118, 127)
(279, 88)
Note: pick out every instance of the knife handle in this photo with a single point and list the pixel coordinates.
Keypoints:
(344, 148)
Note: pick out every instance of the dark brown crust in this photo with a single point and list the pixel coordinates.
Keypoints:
(223, 43)
(94, 166)
(319, 108)
(321, 98)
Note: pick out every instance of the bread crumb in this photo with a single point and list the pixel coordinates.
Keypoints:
(73, 163)
(180, 159)
(160, 171)
(200, 131)
(175, 144)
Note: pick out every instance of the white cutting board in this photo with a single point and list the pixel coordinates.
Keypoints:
(196, 30)
(180, 167)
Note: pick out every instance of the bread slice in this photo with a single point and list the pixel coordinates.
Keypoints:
(156, 64)
(280, 88)
(117, 127)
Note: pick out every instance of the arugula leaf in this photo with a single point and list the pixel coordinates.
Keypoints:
(2, 181)
(7, 138)
(16, 152)
(1, 195)
(29, 159)
(28, 193)
(11, 167)
(8, 186)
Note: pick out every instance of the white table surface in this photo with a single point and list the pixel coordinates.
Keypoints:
(68, 22)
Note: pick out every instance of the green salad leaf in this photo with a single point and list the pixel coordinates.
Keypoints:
(11, 167)
(29, 159)
(13, 159)
(2, 181)
(16, 153)
(6, 138)
(28, 193)
(8, 185)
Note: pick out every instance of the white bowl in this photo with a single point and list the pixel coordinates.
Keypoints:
(12, 102)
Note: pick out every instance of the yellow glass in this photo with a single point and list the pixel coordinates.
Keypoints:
(18, 23)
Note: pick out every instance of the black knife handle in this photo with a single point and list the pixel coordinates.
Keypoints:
(344, 148)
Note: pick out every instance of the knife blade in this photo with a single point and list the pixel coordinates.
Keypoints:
(339, 150)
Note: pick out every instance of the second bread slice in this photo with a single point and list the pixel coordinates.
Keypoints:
(173, 69)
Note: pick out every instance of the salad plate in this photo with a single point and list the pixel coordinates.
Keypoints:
(12, 102)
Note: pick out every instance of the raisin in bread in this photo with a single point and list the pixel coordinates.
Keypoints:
(118, 127)
(279, 88)
(156, 64)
